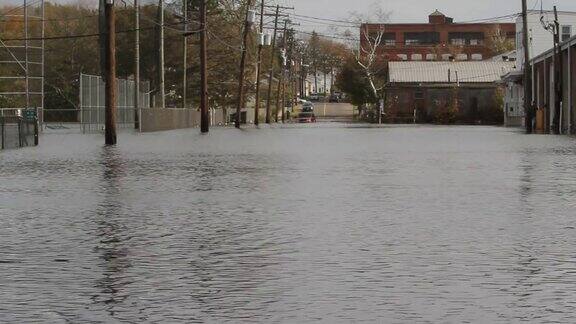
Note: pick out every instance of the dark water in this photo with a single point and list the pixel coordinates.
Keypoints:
(327, 224)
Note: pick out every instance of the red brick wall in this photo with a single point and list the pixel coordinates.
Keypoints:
(444, 46)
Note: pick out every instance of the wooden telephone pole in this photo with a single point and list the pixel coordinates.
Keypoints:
(136, 64)
(279, 98)
(161, 73)
(204, 115)
(528, 108)
(558, 70)
(240, 101)
(110, 65)
(185, 54)
(259, 66)
(271, 76)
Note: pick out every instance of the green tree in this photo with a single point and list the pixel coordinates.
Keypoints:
(352, 81)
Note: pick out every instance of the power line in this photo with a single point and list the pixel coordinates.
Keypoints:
(20, 7)
(327, 19)
(325, 23)
(490, 19)
(328, 36)
(55, 20)
(221, 41)
(83, 35)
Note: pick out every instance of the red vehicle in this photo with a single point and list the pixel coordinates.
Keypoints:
(306, 117)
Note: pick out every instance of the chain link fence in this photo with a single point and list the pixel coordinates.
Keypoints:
(17, 130)
(92, 102)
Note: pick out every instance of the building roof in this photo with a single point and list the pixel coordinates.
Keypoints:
(437, 72)
(513, 76)
(437, 13)
(508, 56)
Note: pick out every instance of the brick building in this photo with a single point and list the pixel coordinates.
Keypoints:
(445, 92)
(438, 40)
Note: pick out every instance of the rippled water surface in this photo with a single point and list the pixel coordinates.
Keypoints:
(329, 223)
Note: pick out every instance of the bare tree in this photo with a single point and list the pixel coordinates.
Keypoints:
(366, 49)
(367, 56)
(498, 42)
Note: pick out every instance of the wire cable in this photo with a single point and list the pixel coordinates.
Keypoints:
(19, 8)
(84, 35)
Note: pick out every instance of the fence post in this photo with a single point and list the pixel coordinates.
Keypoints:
(36, 136)
(82, 126)
(2, 135)
(19, 132)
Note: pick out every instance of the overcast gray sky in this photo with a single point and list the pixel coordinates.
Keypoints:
(418, 10)
(406, 10)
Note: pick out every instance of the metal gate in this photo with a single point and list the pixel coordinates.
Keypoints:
(18, 128)
(92, 102)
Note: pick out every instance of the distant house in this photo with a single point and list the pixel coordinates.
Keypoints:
(445, 92)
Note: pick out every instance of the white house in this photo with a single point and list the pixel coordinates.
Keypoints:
(321, 84)
(540, 40)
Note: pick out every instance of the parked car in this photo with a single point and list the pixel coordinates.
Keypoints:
(314, 97)
(306, 117)
(308, 107)
(334, 98)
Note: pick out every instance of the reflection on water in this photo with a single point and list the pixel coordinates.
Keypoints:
(295, 225)
(113, 252)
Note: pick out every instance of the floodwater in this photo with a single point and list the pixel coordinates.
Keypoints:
(328, 223)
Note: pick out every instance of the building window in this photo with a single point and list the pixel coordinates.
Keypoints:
(403, 57)
(447, 57)
(389, 39)
(431, 57)
(477, 57)
(422, 38)
(416, 57)
(466, 38)
(419, 95)
(458, 41)
(566, 33)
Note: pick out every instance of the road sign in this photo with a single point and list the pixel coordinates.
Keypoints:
(30, 114)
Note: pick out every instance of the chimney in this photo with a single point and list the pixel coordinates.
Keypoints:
(439, 18)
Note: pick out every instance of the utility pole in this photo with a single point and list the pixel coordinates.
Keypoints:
(283, 102)
(185, 54)
(528, 111)
(558, 70)
(161, 75)
(102, 36)
(110, 130)
(271, 76)
(136, 65)
(259, 65)
(204, 116)
(240, 101)
(282, 72)
(302, 78)
(26, 60)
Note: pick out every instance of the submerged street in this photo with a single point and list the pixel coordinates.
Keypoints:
(324, 223)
